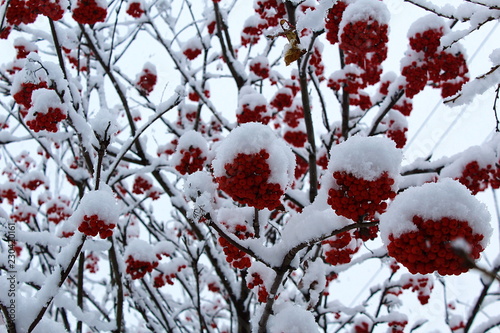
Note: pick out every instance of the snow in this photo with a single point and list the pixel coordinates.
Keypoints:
(140, 250)
(250, 138)
(365, 10)
(495, 57)
(231, 217)
(248, 96)
(99, 202)
(314, 222)
(478, 86)
(292, 319)
(424, 23)
(105, 124)
(189, 139)
(199, 183)
(484, 155)
(366, 157)
(193, 43)
(42, 100)
(433, 201)
(315, 19)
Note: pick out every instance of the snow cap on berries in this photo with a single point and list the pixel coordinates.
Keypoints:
(426, 23)
(46, 111)
(365, 10)
(366, 157)
(101, 203)
(191, 153)
(434, 201)
(251, 138)
(141, 251)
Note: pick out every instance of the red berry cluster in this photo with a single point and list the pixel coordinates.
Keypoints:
(365, 44)
(365, 234)
(47, 121)
(397, 326)
(58, 210)
(361, 99)
(246, 181)
(333, 21)
(349, 78)
(8, 193)
(322, 161)
(256, 281)
(92, 225)
(162, 278)
(362, 327)
(19, 11)
(17, 248)
(193, 96)
(301, 167)
(458, 326)
(23, 49)
(135, 9)
(397, 134)
(427, 41)
(338, 250)
(167, 149)
(192, 53)
(270, 11)
(138, 268)
(294, 116)
(477, 178)
(211, 27)
(357, 198)
(282, 99)
(77, 58)
(146, 81)
(213, 287)
(296, 138)
(22, 213)
(252, 31)
(259, 69)
(429, 248)
(92, 263)
(422, 285)
(257, 114)
(23, 96)
(404, 105)
(234, 256)
(316, 62)
(32, 184)
(446, 69)
(52, 9)
(89, 12)
(141, 185)
(193, 159)
(293, 84)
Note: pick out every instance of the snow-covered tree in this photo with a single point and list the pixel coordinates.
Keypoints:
(245, 166)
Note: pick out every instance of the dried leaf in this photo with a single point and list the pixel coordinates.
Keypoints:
(295, 51)
(292, 54)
